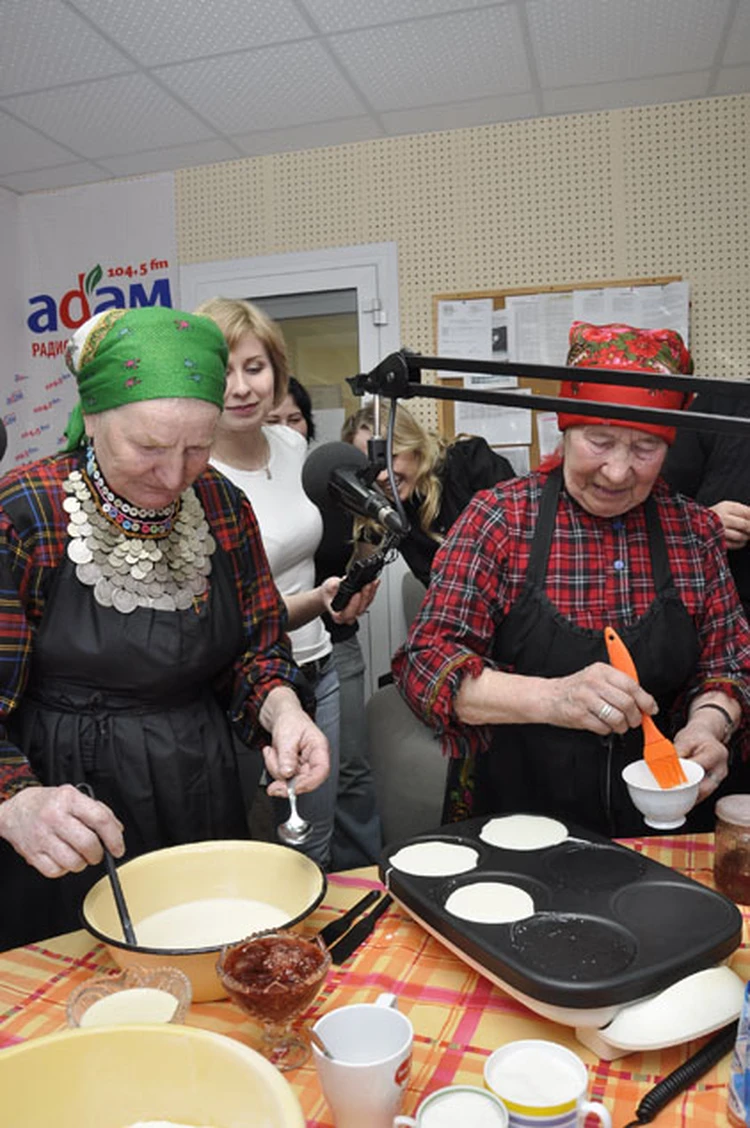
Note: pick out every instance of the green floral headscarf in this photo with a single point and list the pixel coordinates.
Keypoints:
(127, 355)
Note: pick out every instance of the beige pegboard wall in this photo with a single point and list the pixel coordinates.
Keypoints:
(643, 192)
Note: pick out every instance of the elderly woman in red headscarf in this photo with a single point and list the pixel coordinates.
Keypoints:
(507, 657)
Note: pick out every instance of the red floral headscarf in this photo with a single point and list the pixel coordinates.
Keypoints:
(623, 346)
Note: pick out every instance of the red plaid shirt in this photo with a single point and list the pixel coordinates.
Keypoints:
(598, 572)
(32, 545)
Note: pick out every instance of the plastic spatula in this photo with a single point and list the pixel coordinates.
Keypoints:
(659, 753)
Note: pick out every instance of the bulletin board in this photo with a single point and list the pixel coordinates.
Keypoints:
(446, 408)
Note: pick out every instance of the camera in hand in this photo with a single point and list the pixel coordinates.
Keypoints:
(360, 573)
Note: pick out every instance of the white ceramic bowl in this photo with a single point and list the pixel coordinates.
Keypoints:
(662, 808)
(120, 1075)
(256, 871)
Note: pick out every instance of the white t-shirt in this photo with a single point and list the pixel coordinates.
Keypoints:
(290, 527)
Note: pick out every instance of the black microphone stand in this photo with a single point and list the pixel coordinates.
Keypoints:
(398, 376)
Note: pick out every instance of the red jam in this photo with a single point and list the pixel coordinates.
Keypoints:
(275, 976)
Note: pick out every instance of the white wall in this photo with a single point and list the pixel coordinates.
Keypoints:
(11, 294)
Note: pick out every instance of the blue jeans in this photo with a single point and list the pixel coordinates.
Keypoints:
(357, 835)
(318, 806)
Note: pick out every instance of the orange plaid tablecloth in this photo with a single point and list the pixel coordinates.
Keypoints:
(459, 1017)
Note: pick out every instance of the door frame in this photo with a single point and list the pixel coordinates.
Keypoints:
(371, 269)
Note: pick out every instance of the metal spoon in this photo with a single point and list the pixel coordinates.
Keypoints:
(295, 830)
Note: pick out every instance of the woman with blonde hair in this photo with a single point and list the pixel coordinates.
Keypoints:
(265, 462)
(435, 480)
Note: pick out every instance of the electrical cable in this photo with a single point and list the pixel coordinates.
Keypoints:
(685, 1074)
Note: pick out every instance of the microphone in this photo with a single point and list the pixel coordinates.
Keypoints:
(336, 472)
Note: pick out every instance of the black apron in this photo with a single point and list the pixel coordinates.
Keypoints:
(566, 773)
(127, 704)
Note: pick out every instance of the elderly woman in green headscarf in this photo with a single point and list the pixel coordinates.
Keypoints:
(142, 639)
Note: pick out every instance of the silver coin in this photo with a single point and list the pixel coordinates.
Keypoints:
(75, 475)
(107, 569)
(145, 564)
(74, 531)
(71, 505)
(88, 506)
(210, 545)
(86, 529)
(137, 572)
(103, 592)
(79, 553)
(123, 601)
(164, 602)
(197, 584)
(77, 516)
(69, 487)
(88, 573)
(183, 599)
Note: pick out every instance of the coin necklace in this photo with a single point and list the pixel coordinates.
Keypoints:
(134, 557)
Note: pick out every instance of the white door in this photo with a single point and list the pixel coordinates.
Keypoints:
(325, 284)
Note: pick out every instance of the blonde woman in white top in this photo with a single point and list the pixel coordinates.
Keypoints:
(266, 463)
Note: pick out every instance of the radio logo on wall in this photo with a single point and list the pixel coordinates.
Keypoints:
(85, 250)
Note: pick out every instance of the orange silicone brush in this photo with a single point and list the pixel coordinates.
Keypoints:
(659, 753)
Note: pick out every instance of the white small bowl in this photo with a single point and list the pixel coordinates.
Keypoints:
(663, 808)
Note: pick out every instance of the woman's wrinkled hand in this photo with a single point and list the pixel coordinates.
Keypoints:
(298, 748)
(59, 830)
(598, 699)
(735, 517)
(698, 741)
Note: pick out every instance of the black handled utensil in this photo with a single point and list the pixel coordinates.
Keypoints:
(359, 932)
(114, 880)
(336, 928)
(680, 1078)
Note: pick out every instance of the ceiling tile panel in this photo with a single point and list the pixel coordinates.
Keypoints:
(446, 59)
(265, 89)
(738, 46)
(482, 111)
(22, 148)
(166, 31)
(111, 116)
(176, 156)
(43, 43)
(577, 41)
(619, 95)
(50, 179)
(334, 15)
(317, 134)
(732, 80)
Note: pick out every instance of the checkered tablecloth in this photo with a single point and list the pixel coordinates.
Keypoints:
(459, 1017)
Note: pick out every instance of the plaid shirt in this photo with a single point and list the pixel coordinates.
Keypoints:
(598, 572)
(32, 545)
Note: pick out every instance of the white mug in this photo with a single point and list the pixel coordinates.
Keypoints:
(456, 1106)
(542, 1084)
(365, 1078)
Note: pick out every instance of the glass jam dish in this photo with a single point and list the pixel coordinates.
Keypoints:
(274, 977)
(732, 847)
(139, 994)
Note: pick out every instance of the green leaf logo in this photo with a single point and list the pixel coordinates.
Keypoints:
(93, 278)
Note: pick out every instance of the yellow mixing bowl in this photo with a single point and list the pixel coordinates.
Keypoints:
(116, 1076)
(256, 871)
